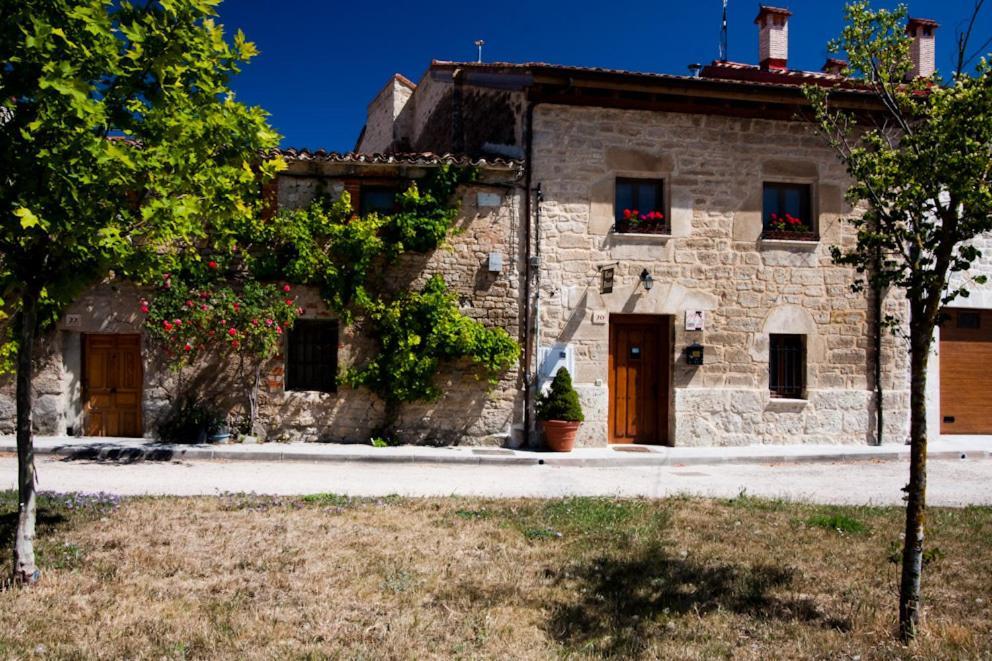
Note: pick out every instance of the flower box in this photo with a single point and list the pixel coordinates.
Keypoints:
(788, 228)
(789, 235)
(635, 222)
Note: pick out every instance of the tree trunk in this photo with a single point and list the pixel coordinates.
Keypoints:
(253, 398)
(25, 570)
(912, 554)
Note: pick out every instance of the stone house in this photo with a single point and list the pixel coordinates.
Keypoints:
(703, 323)
(98, 375)
(702, 319)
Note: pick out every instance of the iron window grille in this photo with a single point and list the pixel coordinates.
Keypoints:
(312, 356)
(787, 366)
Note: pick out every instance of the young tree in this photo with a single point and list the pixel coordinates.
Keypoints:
(923, 168)
(122, 146)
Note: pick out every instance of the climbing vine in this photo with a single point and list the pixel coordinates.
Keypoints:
(209, 311)
(239, 305)
(346, 256)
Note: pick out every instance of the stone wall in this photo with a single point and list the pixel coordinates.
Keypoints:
(715, 261)
(470, 411)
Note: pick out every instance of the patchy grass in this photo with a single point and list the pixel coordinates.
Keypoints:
(242, 576)
(837, 522)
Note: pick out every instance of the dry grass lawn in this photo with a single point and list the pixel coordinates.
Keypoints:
(257, 577)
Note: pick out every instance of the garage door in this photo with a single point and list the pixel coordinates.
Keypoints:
(966, 372)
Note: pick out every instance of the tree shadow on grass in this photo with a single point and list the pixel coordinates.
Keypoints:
(47, 521)
(618, 601)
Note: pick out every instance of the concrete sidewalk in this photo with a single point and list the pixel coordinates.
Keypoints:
(133, 450)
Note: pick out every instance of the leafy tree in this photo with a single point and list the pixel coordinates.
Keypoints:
(123, 148)
(921, 168)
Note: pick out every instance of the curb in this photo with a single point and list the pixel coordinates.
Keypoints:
(654, 458)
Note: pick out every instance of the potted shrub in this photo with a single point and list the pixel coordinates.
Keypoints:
(560, 411)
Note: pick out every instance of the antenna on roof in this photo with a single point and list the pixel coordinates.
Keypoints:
(479, 43)
(723, 34)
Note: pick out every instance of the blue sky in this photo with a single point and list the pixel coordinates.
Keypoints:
(322, 61)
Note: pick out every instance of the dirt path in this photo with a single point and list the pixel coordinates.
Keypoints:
(951, 483)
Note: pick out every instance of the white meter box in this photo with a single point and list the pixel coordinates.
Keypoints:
(551, 359)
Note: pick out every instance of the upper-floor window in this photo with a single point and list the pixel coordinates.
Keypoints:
(639, 206)
(377, 199)
(312, 356)
(787, 365)
(787, 211)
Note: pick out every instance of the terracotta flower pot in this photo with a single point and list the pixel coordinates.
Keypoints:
(560, 435)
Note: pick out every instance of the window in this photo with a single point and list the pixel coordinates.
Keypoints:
(312, 356)
(787, 366)
(786, 210)
(377, 199)
(646, 197)
(969, 320)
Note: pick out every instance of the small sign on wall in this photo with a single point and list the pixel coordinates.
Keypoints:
(600, 317)
(489, 199)
(72, 321)
(694, 320)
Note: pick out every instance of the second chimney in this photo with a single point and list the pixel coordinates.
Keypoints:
(922, 49)
(773, 38)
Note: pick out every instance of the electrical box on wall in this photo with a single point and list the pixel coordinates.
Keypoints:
(495, 262)
(553, 358)
(694, 354)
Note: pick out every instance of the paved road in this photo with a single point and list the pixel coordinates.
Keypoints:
(951, 482)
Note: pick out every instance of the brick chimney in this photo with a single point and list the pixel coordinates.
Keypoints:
(922, 49)
(773, 38)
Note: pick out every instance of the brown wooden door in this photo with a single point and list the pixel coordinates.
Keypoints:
(112, 385)
(966, 372)
(640, 351)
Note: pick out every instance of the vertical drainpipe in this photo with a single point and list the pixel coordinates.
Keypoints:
(528, 335)
(877, 340)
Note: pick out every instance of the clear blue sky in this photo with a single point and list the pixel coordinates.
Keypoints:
(322, 61)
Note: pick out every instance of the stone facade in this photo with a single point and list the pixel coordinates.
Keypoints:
(470, 411)
(714, 261)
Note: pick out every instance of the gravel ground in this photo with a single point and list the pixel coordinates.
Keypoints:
(951, 482)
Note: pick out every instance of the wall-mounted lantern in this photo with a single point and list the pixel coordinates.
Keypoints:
(647, 279)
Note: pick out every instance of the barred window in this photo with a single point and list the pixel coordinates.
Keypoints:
(787, 366)
(312, 356)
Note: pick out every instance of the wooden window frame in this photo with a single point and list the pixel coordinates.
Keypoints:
(807, 211)
(781, 383)
(300, 376)
(661, 194)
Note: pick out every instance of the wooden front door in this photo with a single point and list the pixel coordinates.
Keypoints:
(965, 365)
(640, 368)
(112, 381)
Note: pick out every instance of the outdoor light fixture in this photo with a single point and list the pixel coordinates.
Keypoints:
(647, 279)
